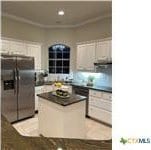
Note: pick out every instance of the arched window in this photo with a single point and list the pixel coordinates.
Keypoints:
(59, 59)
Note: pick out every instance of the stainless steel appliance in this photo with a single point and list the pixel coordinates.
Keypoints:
(17, 87)
(99, 66)
(84, 92)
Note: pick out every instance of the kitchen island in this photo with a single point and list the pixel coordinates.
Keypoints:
(62, 117)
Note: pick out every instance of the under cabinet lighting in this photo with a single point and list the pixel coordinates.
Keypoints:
(61, 12)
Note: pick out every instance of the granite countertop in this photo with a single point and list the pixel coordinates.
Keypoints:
(74, 98)
(12, 140)
(99, 88)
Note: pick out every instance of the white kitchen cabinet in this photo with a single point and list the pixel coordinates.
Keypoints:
(80, 57)
(95, 93)
(35, 51)
(100, 114)
(18, 48)
(5, 46)
(103, 51)
(100, 103)
(38, 90)
(23, 48)
(86, 57)
(90, 56)
(100, 106)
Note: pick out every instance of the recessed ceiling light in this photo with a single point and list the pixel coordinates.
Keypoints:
(61, 12)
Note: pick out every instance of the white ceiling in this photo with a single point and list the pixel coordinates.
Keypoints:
(44, 13)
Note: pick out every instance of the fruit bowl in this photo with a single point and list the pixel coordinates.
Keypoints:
(61, 93)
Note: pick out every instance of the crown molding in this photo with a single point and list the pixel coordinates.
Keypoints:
(92, 20)
(21, 19)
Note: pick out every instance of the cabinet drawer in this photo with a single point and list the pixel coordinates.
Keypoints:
(100, 114)
(100, 103)
(95, 93)
(107, 96)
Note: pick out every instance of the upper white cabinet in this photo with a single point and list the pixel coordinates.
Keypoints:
(80, 56)
(35, 51)
(103, 51)
(86, 56)
(5, 46)
(23, 48)
(18, 48)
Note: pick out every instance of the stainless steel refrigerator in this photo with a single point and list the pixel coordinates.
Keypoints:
(17, 87)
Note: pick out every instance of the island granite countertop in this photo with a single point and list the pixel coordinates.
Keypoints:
(12, 140)
(74, 98)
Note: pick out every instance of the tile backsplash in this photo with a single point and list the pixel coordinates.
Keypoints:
(104, 78)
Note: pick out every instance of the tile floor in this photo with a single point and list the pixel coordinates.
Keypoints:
(94, 130)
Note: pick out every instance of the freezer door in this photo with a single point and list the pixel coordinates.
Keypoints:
(8, 88)
(26, 87)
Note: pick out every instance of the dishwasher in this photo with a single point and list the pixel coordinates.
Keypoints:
(84, 92)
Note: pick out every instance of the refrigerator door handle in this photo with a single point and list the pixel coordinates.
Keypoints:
(15, 81)
(18, 79)
(18, 74)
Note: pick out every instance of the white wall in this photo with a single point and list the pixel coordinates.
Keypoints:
(93, 31)
(22, 31)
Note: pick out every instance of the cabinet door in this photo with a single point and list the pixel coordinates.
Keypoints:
(81, 57)
(86, 56)
(100, 103)
(35, 51)
(18, 48)
(38, 90)
(89, 57)
(100, 114)
(5, 46)
(103, 50)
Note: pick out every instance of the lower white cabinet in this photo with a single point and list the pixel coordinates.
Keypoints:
(100, 114)
(100, 106)
(100, 103)
(38, 90)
